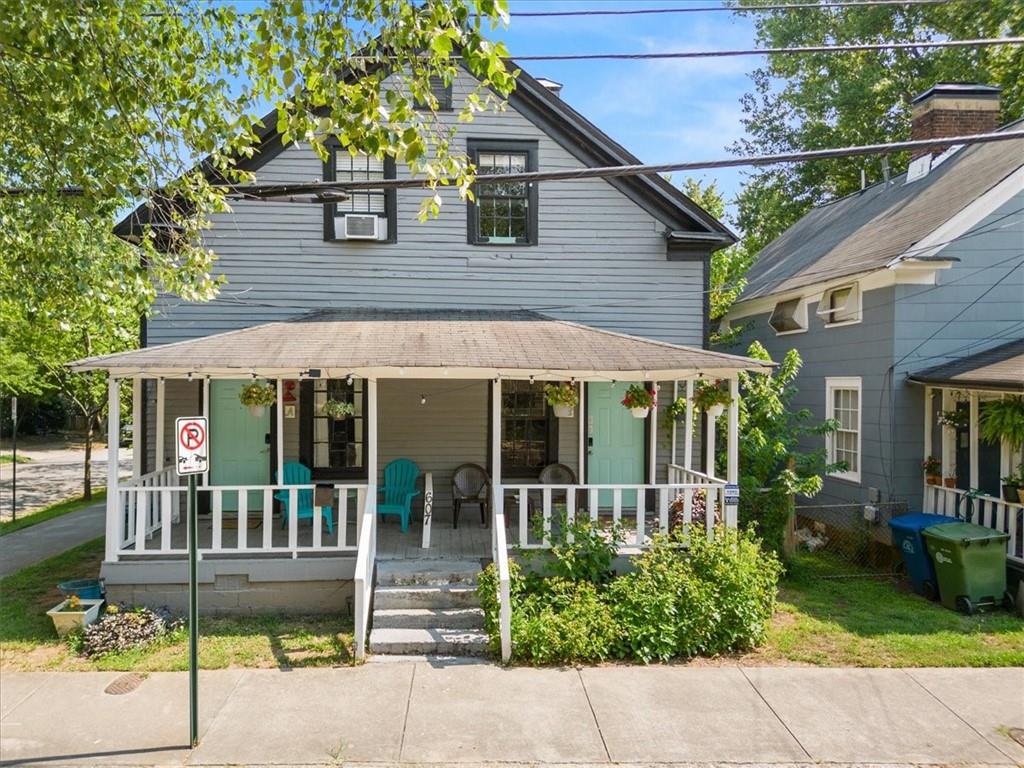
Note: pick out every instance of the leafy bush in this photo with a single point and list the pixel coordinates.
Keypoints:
(563, 621)
(582, 551)
(122, 629)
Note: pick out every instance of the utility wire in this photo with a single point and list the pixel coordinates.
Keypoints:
(733, 9)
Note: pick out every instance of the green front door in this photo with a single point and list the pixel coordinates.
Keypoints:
(239, 452)
(616, 441)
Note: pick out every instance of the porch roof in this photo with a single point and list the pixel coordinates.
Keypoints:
(429, 343)
(999, 368)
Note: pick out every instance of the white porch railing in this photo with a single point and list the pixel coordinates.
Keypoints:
(678, 474)
(155, 502)
(499, 552)
(625, 503)
(988, 511)
(366, 558)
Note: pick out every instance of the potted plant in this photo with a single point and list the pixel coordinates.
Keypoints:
(563, 398)
(1012, 485)
(639, 400)
(1003, 420)
(950, 480)
(74, 613)
(337, 409)
(257, 397)
(932, 467)
(954, 419)
(711, 398)
(675, 411)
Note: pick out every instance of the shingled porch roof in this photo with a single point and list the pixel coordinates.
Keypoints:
(424, 343)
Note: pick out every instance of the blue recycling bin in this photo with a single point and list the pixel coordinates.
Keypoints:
(906, 535)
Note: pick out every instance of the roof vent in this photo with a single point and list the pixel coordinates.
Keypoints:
(554, 88)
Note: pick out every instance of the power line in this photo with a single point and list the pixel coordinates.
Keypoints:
(733, 9)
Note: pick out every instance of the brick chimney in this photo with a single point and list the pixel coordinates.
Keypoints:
(953, 109)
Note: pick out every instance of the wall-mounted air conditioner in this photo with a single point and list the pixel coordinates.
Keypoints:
(360, 226)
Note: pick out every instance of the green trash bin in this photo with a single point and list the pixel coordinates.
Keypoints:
(970, 563)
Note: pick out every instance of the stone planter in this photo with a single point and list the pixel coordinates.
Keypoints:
(564, 411)
(639, 413)
(67, 621)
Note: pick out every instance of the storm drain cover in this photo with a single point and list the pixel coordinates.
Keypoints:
(125, 684)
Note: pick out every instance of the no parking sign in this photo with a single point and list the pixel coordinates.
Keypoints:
(192, 442)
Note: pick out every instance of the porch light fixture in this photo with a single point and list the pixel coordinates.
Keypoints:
(531, 378)
(189, 375)
(348, 379)
(423, 399)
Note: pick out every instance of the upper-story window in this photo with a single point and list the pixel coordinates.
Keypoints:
(840, 305)
(441, 91)
(367, 213)
(504, 213)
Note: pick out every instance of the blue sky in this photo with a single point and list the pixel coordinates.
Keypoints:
(661, 110)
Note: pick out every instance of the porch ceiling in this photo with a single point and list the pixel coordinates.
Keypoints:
(424, 343)
(1000, 368)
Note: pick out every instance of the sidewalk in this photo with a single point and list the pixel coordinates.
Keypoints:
(38, 542)
(420, 713)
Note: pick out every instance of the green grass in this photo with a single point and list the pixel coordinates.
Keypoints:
(52, 511)
(874, 622)
(6, 458)
(29, 642)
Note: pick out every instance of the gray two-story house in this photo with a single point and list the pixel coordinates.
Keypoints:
(408, 362)
(905, 301)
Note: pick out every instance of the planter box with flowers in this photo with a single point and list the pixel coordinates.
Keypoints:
(639, 401)
(74, 613)
(932, 470)
(337, 409)
(257, 397)
(563, 398)
(711, 398)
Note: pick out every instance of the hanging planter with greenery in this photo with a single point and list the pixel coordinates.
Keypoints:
(639, 400)
(563, 398)
(337, 409)
(1004, 420)
(257, 397)
(955, 419)
(676, 411)
(711, 398)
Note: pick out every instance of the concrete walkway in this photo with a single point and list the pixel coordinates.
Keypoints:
(428, 713)
(42, 540)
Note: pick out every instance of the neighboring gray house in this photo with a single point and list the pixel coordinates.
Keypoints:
(876, 289)
(441, 337)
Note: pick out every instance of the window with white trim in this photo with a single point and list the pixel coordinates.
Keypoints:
(789, 316)
(843, 403)
(840, 305)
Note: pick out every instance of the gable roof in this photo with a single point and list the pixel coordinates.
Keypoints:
(1001, 368)
(576, 134)
(866, 230)
(460, 343)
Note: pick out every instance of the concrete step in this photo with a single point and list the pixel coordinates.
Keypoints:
(419, 618)
(455, 642)
(434, 596)
(427, 572)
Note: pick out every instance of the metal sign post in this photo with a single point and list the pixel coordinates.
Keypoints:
(14, 457)
(192, 460)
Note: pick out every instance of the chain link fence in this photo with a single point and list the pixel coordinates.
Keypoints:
(855, 538)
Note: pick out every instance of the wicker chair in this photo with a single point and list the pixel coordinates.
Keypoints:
(470, 485)
(557, 474)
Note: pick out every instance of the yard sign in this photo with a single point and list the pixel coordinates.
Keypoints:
(192, 443)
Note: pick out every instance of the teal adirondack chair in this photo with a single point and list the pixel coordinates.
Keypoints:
(399, 489)
(296, 473)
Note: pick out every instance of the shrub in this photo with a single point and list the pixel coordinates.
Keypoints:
(582, 551)
(121, 630)
(563, 621)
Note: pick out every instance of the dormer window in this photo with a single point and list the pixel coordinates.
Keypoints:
(503, 213)
(840, 305)
(789, 316)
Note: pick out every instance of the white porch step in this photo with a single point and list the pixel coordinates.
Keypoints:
(458, 642)
(430, 596)
(428, 618)
(427, 572)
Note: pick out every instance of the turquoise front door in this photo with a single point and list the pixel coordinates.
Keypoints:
(615, 441)
(239, 452)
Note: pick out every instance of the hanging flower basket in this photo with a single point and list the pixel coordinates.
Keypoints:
(563, 399)
(711, 398)
(639, 401)
(257, 397)
(955, 418)
(337, 409)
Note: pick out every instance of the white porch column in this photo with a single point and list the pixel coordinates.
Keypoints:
(928, 423)
(279, 429)
(581, 416)
(974, 440)
(688, 427)
(733, 467)
(709, 447)
(371, 443)
(204, 479)
(161, 393)
(948, 442)
(113, 496)
(652, 469)
(675, 396)
(137, 436)
(496, 437)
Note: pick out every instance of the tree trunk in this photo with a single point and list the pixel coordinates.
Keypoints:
(87, 475)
